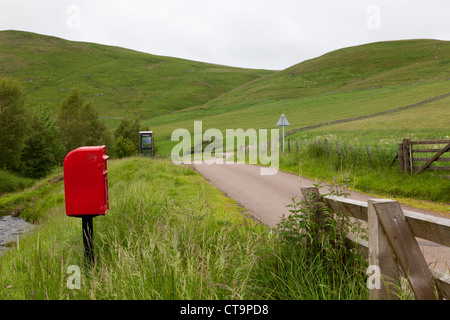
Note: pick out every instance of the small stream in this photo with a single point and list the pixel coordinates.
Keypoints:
(10, 229)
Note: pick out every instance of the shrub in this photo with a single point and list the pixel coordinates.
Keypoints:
(124, 147)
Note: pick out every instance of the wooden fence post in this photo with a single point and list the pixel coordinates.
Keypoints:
(337, 147)
(326, 147)
(382, 256)
(401, 163)
(368, 153)
(289, 145)
(406, 249)
(407, 155)
(296, 144)
(410, 150)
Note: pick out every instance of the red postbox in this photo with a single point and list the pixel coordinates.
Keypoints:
(86, 182)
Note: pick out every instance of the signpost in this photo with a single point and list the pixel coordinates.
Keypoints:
(283, 123)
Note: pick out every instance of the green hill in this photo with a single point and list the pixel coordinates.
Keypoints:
(119, 82)
(347, 83)
(373, 65)
(169, 93)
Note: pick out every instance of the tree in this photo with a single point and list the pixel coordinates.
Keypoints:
(68, 120)
(95, 131)
(13, 123)
(80, 125)
(128, 129)
(42, 148)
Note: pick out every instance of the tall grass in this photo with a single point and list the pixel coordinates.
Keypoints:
(169, 235)
(315, 237)
(350, 163)
(158, 248)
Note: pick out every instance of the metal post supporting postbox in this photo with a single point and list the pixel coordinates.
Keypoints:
(88, 238)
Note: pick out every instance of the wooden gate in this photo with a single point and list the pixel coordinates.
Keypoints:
(413, 158)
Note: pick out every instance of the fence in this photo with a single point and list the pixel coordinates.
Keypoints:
(412, 157)
(408, 155)
(392, 246)
(370, 153)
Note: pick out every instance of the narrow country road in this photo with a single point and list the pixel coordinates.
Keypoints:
(266, 198)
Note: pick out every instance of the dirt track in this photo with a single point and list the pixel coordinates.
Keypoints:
(266, 197)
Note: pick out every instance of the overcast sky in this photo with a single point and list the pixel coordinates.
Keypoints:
(266, 34)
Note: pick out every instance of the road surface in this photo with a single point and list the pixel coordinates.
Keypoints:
(266, 198)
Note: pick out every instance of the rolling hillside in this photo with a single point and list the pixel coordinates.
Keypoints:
(346, 83)
(119, 82)
(374, 65)
(169, 93)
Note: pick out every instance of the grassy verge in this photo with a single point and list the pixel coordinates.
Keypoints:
(352, 167)
(169, 235)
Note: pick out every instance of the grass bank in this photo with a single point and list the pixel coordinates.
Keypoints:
(169, 235)
(349, 164)
(10, 182)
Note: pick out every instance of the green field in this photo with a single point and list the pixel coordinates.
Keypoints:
(303, 112)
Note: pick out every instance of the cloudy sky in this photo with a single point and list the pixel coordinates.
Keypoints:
(266, 34)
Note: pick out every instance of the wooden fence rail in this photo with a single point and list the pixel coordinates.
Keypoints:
(392, 246)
